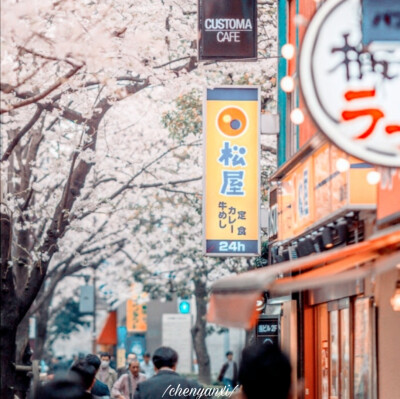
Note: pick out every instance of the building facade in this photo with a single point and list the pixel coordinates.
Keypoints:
(334, 255)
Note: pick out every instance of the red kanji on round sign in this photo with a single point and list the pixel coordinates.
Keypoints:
(351, 91)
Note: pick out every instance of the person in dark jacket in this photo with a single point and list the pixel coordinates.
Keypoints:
(99, 388)
(85, 374)
(264, 368)
(166, 383)
(229, 372)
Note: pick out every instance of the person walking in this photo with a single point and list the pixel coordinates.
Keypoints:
(229, 372)
(106, 374)
(124, 369)
(147, 366)
(125, 386)
(99, 388)
(167, 383)
(264, 368)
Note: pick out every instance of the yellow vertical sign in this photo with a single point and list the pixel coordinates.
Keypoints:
(231, 178)
(136, 316)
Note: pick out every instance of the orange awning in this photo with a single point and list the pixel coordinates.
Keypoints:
(233, 298)
(108, 335)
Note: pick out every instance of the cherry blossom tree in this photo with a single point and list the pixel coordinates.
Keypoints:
(80, 81)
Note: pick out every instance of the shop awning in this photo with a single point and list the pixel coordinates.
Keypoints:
(233, 299)
(108, 335)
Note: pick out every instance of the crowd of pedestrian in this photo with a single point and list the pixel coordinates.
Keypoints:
(92, 377)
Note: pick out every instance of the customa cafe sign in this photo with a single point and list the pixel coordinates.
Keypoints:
(231, 216)
(227, 29)
(352, 92)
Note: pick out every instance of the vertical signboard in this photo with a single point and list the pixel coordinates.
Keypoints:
(273, 215)
(304, 205)
(121, 346)
(86, 299)
(136, 316)
(286, 209)
(227, 29)
(268, 330)
(231, 203)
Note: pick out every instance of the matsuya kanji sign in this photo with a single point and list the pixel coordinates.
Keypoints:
(351, 91)
(231, 218)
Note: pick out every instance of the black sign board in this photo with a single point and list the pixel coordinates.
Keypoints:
(268, 330)
(227, 30)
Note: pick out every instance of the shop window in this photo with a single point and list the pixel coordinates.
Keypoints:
(364, 350)
(345, 353)
(346, 345)
(334, 354)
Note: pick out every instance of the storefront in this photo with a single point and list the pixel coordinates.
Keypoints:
(342, 290)
(334, 236)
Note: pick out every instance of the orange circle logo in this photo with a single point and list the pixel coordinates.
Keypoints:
(232, 121)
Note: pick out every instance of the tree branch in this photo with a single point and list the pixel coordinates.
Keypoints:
(45, 93)
(169, 183)
(22, 133)
(268, 148)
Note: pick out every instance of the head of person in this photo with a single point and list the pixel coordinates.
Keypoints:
(134, 368)
(105, 360)
(146, 357)
(265, 367)
(93, 360)
(229, 355)
(130, 358)
(61, 388)
(84, 373)
(165, 356)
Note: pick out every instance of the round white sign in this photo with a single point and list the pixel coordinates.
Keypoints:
(352, 92)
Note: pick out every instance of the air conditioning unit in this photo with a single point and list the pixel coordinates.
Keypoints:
(269, 123)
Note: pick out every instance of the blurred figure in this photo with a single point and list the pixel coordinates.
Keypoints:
(125, 386)
(229, 372)
(124, 369)
(264, 368)
(56, 367)
(147, 366)
(106, 374)
(85, 374)
(99, 388)
(61, 388)
(166, 382)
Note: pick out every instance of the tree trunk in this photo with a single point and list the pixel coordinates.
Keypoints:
(8, 315)
(22, 380)
(199, 332)
(7, 360)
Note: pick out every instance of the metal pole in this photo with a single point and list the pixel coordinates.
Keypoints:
(94, 345)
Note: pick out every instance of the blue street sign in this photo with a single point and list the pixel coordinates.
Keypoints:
(380, 21)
